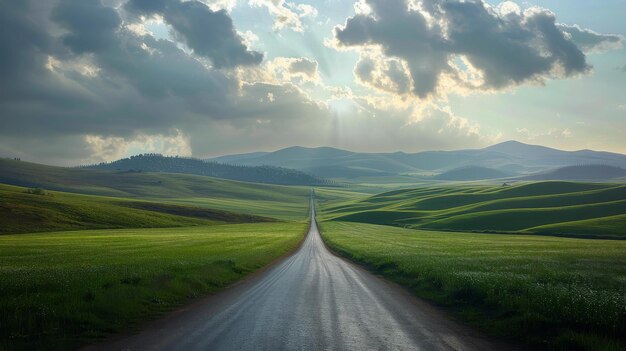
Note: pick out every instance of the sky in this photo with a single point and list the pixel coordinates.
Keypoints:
(87, 81)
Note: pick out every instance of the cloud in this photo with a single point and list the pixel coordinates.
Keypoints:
(590, 41)
(94, 80)
(78, 86)
(372, 127)
(91, 25)
(283, 70)
(286, 14)
(501, 47)
(208, 33)
(217, 5)
(106, 149)
(384, 74)
(301, 68)
(304, 66)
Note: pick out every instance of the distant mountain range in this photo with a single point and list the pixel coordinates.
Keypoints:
(509, 158)
(259, 174)
(590, 172)
(471, 173)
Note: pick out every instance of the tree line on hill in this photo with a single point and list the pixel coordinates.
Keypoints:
(188, 165)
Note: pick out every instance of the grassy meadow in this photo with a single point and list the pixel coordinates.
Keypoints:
(550, 292)
(557, 208)
(59, 290)
(24, 210)
(277, 201)
(87, 253)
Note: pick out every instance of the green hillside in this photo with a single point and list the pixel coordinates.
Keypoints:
(135, 184)
(24, 210)
(544, 207)
(187, 165)
(611, 225)
(284, 202)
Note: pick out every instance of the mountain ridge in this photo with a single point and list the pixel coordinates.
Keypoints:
(268, 174)
(511, 157)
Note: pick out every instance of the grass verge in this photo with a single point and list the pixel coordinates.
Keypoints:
(60, 290)
(553, 293)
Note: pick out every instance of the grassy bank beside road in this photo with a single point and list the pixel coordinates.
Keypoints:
(554, 293)
(60, 290)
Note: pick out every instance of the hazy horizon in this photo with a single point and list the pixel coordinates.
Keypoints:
(210, 157)
(99, 80)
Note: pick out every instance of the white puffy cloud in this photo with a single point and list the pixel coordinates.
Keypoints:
(294, 69)
(286, 14)
(110, 148)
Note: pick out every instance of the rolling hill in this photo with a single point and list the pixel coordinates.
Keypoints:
(24, 210)
(277, 201)
(509, 157)
(585, 209)
(185, 165)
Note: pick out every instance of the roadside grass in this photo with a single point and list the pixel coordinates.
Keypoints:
(60, 290)
(24, 211)
(528, 207)
(549, 292)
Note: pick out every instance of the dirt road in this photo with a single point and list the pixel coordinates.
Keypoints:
(312, 300)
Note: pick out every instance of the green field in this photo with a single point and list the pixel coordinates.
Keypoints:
(62, 289)
(559, 208)
(277, 201)
(21, 211)
(555, 293)
(59, 290)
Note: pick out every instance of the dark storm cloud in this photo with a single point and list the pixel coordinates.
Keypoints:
(91, 25)
(45, 100)
(23, 39)
(78, 70)
(208, 33)
(507, 48)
